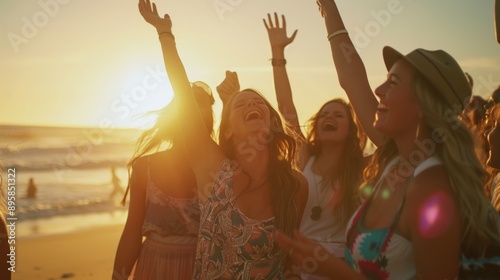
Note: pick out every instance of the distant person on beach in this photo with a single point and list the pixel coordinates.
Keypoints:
(5, 273)
(32, 189)
(427, 216)
(331, 157)
(115, 181)
(248, 182)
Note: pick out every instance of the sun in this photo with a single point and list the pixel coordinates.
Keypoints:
(139, 90)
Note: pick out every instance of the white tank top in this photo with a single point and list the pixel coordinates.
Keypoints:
(324, 229)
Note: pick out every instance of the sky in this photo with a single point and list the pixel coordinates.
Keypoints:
(98, 63)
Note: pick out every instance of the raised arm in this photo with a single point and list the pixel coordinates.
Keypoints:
(497, 20)
(203, 153)
(279, 40)
(351, 70)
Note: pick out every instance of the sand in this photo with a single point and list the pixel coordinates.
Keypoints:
(85, 254)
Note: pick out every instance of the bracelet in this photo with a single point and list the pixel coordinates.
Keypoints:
(338, 32)
(166, 33)
(277, 62)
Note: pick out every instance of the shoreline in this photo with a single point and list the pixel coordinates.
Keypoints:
(81, 254)
(65, 224)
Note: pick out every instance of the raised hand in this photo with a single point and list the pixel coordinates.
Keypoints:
(150, 15)
(229, 86)
(277, 34)
(324, 6)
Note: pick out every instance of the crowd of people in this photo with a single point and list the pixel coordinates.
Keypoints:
(264, 200)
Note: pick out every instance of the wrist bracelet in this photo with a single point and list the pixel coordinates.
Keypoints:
(166, 33)
(338, 32)
(277, 62)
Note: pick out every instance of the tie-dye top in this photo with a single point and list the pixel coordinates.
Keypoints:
(169, 219)
(230, 244)
(382, 253)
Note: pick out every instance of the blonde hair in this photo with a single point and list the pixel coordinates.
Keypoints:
(456, 152)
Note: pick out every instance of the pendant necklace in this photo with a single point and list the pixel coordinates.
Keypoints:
(316, 211)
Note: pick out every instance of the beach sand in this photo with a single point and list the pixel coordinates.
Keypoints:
(84, 254)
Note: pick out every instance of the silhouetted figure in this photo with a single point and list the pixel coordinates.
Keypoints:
(117, 189)
(32, 189)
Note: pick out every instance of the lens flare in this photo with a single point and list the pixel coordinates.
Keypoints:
(435, 215)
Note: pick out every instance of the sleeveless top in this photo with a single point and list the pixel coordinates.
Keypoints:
(169, 219)
(321, 229)
(230, 244)
(382, 253)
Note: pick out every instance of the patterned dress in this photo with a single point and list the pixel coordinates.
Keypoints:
(171, 230)
(230, 244)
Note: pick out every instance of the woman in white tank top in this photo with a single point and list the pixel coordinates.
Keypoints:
(331, 155)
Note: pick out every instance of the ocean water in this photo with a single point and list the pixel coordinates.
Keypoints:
(71, 168)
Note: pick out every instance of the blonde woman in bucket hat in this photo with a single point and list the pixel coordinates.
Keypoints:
(426, 216)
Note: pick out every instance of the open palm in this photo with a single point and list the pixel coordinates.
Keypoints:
(150, 15)
(277, 34)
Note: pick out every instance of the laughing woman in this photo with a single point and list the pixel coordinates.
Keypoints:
(248, 185)
(331, 159)
(427, 216)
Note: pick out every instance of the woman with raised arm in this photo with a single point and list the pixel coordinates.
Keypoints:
(331, 159)
(248, 185)
(163, 201)
(427, 216)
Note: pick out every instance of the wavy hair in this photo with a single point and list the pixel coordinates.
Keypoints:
(165, 131)
(282, 165)
(350, 173)
(456, 152)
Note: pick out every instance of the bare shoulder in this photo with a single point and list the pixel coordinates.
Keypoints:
(432, 181)
(431, 200)
(302, 179)
(139, 171)
(140, 164)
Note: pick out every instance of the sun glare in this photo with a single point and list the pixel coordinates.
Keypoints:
(139, 91)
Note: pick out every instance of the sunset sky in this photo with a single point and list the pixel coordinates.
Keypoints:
(85, 63)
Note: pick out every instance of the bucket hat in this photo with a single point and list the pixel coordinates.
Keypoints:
(440, 69)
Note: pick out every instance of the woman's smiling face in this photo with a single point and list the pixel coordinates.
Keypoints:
(398, 111)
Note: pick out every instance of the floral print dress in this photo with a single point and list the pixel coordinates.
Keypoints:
(230, 244)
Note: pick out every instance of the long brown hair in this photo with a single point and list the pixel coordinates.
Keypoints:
(282, 165)
(349, 173)
(165, 131)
